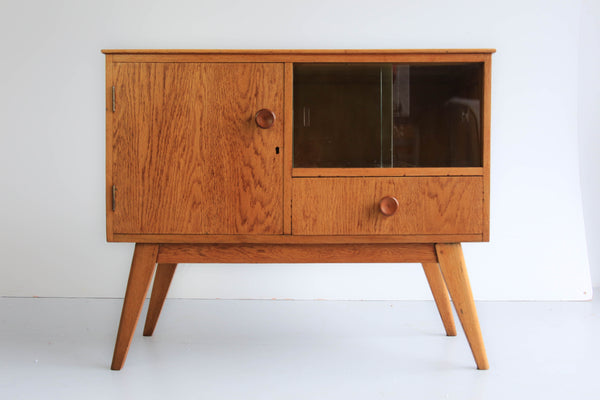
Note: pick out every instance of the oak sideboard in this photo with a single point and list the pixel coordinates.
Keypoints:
(298, 156)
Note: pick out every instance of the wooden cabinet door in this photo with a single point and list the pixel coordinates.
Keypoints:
(187, 155)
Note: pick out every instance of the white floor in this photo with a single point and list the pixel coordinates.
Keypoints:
(226, 349)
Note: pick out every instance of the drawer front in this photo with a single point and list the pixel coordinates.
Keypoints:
(350, 206)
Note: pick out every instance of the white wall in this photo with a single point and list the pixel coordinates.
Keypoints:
(52, 239)
(589, 128)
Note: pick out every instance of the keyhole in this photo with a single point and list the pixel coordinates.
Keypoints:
(276, 150)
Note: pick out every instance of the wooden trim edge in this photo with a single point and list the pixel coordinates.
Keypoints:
(298, 51)
(296, 253)
(385, 172)
(294, 239)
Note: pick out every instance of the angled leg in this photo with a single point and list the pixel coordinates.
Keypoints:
(452, 264)
(140, 275)
(162, 281)
(440, 295)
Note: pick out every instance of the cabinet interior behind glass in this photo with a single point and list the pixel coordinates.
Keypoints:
(387, 115)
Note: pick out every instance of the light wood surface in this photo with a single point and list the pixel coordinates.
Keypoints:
(440, 295)
(486, 121)
(454, 270)
(298, 51)
(375, 55)
(288, 140)
(188, 156)
(288, 56)
(109, 136)
(307, 253)
(345, 172)
(302, 57)
(296, 239)
(160, 288)
(349, 206)
(140, 275)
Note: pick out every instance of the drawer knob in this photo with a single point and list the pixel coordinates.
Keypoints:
(264, 118)
(388, 205)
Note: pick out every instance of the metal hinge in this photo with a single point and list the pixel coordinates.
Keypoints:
(114, 100)
(114, 197)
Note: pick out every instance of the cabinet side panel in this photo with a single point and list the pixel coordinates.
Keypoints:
(350, 206)
(108, 149)
(189, 157)
(132, 121)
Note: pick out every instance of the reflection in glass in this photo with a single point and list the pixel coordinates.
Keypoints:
(387, 115)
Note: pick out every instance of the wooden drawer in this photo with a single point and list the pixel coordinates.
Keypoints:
(350, 206)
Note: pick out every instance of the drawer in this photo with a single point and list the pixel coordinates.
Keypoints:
(350, 206)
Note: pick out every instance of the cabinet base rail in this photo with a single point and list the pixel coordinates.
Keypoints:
(443, 264)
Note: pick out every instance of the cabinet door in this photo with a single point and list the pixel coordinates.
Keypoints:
(188, 156)
(373, 115)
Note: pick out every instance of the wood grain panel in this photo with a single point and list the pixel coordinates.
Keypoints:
(259, 52)
(349, 206)
(290, 56)
(188, 156)
(301, 57)
(109, 138)
(449, 171)
(296, 253)
(288, 141)
(296, 239)
(487, 115)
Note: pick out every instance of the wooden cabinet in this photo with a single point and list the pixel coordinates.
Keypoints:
(363, 155)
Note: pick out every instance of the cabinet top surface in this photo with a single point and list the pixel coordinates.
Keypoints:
(300, 52)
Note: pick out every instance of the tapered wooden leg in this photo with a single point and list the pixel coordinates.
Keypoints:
(452, 265)
(140, 275)
(162, 281)
(440, 295)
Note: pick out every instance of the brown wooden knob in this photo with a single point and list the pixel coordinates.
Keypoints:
(264, 118)
(388, 205)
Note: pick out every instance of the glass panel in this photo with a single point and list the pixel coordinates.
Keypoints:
(338, 115)
(387, 115)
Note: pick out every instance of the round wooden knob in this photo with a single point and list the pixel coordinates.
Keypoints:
(388, 205)
(264, 118)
